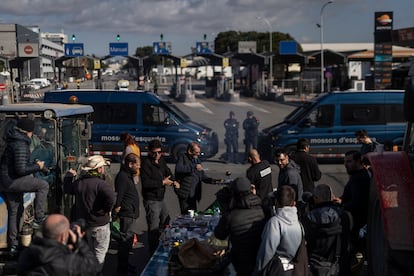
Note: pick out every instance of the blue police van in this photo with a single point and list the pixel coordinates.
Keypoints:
(330, 120)
(144, 115)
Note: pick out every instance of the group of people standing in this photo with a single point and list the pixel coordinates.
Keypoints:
(300, 210)
(231, 136)
(259, 222)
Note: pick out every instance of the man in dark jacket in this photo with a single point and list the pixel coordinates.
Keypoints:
(231, 138)
(356, 194)
(155, 175)
(327, 228)
(190, 174)
(289, 173)
(61, 251)
(260, 175)
(94, 201)
(309, 169)
(251, 132)
(243, 223)
(17, 178)
(127, 207)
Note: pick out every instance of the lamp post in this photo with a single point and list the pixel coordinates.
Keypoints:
(320, 25)
(270, 50)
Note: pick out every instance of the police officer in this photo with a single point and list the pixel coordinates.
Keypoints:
(231, 138)
(251, 132)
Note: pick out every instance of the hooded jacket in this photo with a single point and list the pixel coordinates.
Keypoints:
(290, 175)
(243, 224)
(282, 235)
(15, 161)
(50, 257)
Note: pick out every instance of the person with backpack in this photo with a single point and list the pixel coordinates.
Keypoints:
(281, 237)
(326, 227)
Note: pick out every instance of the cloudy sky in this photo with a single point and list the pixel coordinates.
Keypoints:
(183, 22)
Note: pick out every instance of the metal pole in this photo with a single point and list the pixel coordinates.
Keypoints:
(270, 50)
(322, 51)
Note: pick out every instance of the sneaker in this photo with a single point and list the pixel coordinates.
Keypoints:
(37, 223)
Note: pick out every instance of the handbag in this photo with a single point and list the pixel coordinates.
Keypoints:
(300, 262)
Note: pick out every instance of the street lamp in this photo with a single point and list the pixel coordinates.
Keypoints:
(270, 50)
(320, 25)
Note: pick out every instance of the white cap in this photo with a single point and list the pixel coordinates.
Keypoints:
(95, 162)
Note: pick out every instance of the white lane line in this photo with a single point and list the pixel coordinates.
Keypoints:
(202, 107)
(250, 105)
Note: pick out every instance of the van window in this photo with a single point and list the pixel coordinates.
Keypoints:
(154, 115)
(374, 114)
(323, 116)
(114, 113)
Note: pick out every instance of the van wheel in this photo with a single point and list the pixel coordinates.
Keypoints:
(177, 150)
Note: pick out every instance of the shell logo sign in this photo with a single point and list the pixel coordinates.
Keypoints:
(384, 19)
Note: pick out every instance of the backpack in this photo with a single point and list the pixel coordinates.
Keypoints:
(321, 267)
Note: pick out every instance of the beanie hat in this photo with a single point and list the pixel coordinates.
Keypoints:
(26, 124)
(249, 113)
(241, 184)
(95, 162)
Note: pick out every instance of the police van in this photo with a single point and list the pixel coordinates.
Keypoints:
(330, 120)
(144, 115)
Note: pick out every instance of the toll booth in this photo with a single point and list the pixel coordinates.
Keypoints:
(246, 80)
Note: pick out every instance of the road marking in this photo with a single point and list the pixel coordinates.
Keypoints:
(202, 107)
(250, 105)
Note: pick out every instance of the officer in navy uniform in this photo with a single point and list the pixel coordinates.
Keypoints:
(231, 138)
(251, 133)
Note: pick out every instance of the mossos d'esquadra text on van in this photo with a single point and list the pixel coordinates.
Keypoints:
(114, 138)
(341, 140)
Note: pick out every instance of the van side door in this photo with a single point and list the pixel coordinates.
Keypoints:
(318, 127)
(157, 121)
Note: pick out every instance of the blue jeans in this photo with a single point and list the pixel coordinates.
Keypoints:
(98, 239)
(157, 217)
(14, 197)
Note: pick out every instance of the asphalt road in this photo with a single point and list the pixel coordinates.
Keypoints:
(212, 113)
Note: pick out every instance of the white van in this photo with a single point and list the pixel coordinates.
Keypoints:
(42, 82)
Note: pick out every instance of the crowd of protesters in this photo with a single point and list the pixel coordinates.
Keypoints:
(265, 225)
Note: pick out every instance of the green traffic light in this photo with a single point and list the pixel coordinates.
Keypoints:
(73, 37)
(205, 36)
(161, 37)
(118, 37)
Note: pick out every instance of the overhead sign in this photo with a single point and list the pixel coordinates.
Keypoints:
(247, 47)
(288, 48)
(159, 48)
(118, 49)
(74, 49)
(203, 48)
(28, 49)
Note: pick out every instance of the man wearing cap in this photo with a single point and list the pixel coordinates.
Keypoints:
(94, 201)
(251, 132)
(243, 223)
(17, 178)
(231, 138)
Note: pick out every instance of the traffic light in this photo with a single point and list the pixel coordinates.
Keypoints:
(73, 37)
(162, 37)
(118, 37)
(205, 37)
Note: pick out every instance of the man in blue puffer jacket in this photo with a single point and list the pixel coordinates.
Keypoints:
(17, 178)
